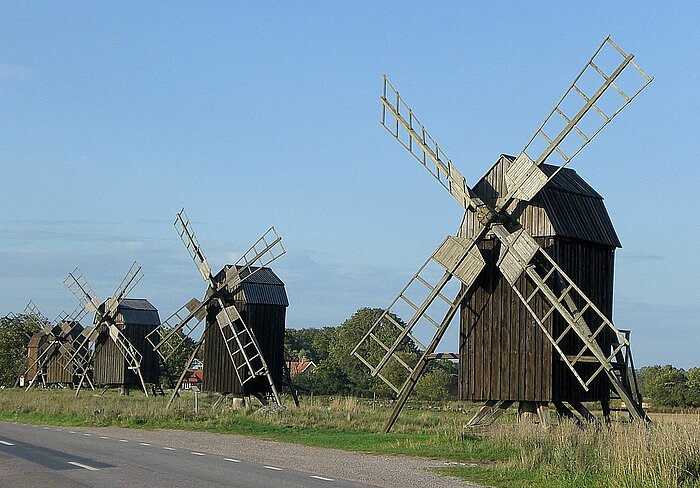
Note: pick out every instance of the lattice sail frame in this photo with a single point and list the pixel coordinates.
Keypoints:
(519, 251)
(105, 314)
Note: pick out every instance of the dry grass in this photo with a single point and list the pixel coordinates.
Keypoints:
(663, 455)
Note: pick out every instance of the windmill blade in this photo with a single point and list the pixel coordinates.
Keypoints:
(592, 101)
(184, 230)
(132, 278)
(583, 318)
(41, 362)
(400, 121)
(79, 286)
(239, 339)
(88, 335)
(77, 314)
(265, 250)
(379, 347)
(36, 317)
(132, 355)
(170, 335)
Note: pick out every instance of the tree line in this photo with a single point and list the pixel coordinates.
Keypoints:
(339, 372)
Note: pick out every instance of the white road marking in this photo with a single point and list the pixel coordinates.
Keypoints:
(46, 428)
(59, 430)
(232, 460)
(322, 478)
(197, 453)
(272, 468)
(71, 432)
(104, 437)
(84, 466)
(144, 443)
(123, 440)
(5, 443)
(169, 448)
(87, 435)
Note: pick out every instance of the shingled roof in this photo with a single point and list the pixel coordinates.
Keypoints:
(567, 206)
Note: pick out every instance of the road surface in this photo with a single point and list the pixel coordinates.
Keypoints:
(36, 455)
(32, 456)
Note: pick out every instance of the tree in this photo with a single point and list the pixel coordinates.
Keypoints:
(664, 385)
(176, 361)
(14, 338)
(309, 343)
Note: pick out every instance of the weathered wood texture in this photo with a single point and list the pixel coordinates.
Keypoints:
(262, 302)
(37, 344)
(59, 369)
(136, 319)
(503, 353)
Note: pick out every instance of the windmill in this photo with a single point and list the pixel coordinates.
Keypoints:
(53, 355)
(573, 328)
(244, 349)
(120, 356)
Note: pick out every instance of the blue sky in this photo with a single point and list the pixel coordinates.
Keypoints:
(115, 115)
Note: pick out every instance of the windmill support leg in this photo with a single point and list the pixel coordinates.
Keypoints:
(543, 414)
(423, 361)
(496, 412)
(584, 412)
(605, 407)
(80, 383)
(564, 412)
(220, 400)
(483, 411)
(143, 383)
(288, 376)
(181, 379)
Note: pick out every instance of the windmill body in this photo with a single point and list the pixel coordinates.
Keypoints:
(60, 370)
(502, 356)
(36, 349)
(235, 362)
(262, 302)
(135, 319)
(534, 257)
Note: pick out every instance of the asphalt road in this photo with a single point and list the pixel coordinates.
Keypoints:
(32, 456)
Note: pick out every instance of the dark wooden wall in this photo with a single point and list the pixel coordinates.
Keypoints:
(37, 344)
(55, 372)
(110, 367)
(268, 325)
(504, 355)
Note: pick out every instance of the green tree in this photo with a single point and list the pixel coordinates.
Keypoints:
(309, 343)
(693, 387)
(14, 338)
(664, 385)
(176, 361)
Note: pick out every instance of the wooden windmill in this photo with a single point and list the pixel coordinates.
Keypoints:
(496, 258)
(54, 356)
(121, 355)
(244, 337)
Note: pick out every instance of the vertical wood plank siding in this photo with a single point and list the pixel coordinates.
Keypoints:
(137, 318)
(503, 353)
(262, 303)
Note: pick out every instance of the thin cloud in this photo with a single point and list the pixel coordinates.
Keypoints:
(13, 72)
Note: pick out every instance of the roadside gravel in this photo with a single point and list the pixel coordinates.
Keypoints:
(383, 471)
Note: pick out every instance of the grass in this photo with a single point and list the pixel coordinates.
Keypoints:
(509, 454)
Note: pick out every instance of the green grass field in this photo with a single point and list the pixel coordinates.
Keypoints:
(666, 454)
